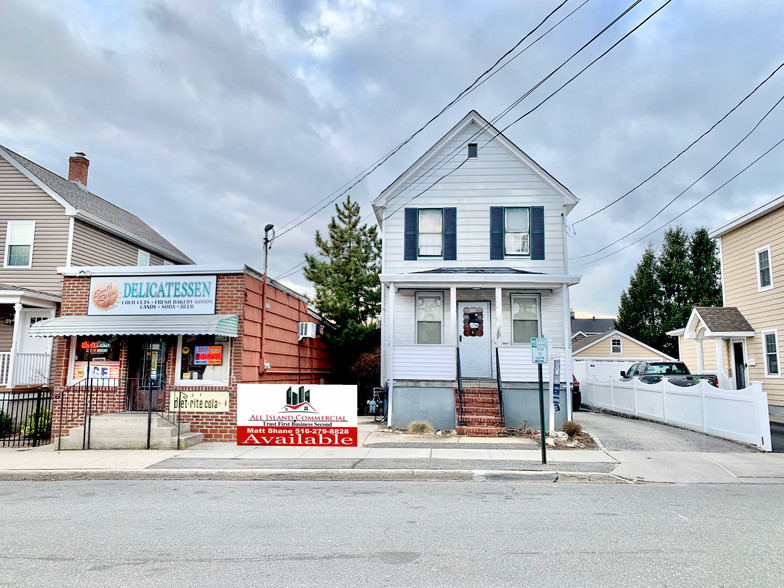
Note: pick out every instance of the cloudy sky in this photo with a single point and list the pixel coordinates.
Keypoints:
(211, 119)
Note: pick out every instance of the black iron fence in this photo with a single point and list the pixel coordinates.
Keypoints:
(25, 418)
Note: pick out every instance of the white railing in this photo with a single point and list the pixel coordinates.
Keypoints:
(5, 363)
(740, 415)
(438, 362)
(31, 368)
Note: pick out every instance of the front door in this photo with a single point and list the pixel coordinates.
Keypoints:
(739, 365)
(146, 374)
(474, 338)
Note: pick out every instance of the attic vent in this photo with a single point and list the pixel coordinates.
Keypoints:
(472, 150)
(306, 331)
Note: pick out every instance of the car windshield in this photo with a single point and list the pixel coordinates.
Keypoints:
(667, 369)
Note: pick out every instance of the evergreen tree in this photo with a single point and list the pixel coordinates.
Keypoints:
(639, 314)
(705, 270)
(345, 274)
(674, 274)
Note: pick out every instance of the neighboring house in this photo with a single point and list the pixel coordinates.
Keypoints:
(474, 262)
(606, 354)
(47, 221)
(582, 327)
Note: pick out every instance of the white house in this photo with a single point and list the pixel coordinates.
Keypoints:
(474, 261)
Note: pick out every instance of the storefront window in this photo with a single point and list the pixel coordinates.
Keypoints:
(203, 358)
(101, 354)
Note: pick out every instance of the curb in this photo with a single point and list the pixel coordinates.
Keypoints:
(325, 475)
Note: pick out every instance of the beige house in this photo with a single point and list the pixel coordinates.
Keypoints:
(746, 330)
(48, 222)
(606, 354)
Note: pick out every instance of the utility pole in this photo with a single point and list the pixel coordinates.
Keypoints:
(267, 241)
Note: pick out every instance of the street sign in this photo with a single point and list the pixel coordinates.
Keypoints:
(539, 350)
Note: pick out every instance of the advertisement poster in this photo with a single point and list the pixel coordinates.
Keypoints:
(99, 370)
(296, 415)
(152, 295)
(199, 401)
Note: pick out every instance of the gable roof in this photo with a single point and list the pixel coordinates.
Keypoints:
(591, 340)
(92, 209)
(719, 321)
(491, 133)
(591, 325)
(748, 217)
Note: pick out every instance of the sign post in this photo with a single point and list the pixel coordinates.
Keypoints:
(539, 356)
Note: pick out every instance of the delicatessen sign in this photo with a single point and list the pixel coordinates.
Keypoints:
(296, 415)
(152, 295)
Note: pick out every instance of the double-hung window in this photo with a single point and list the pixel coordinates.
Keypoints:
(19, 243)
(430, 232)
(517, 231)
(429, 317)
(616, 346)
(764, 272)
(770, 345)
(525, 318)
(143, 257)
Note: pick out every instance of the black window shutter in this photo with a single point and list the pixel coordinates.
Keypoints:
(496, 232)
(410, 232)
(537, 232)
(450, 233)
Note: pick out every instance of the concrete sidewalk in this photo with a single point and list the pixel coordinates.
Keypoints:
(393, 456)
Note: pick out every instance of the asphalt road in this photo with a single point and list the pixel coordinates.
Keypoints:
(619, 433)
(200, 533)
(777, 437)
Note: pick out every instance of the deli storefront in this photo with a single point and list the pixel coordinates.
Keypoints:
(175, 341)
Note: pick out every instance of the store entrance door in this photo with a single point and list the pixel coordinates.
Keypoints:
(146, 374)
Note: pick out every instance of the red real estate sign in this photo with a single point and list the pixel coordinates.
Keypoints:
(296, 415)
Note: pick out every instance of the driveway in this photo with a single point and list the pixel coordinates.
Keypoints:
(618, 433)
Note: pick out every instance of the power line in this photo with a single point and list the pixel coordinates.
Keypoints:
(449, 157)
(331, 198)
(700, 201)
(710, 169)
(654, 174)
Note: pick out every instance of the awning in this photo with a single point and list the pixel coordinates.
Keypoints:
(166, 324)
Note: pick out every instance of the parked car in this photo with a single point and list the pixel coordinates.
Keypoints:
(576, 396)
(675, 372)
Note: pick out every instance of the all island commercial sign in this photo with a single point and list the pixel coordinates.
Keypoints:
(296, 415)
(152, 295)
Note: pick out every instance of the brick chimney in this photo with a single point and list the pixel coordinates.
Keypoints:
(77, 168)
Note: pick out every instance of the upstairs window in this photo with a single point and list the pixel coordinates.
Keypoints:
(429, 317)
(764, 274)
(517, 235)
(19, 243)
(430, 232)
(615, 346)
(143, 257)
(525, 318)
(770, 344)
(473, 150)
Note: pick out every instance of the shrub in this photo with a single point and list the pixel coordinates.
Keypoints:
(420, 427)
(571, 428)
(6, 424)
(44, 429)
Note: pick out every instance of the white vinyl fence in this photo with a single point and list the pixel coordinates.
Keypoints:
(740, 415)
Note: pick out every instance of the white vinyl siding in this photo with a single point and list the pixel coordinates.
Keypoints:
(764, 271)
(496, 178)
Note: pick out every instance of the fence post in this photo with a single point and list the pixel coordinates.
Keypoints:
(703, 387)
(664, 399)
(612, 395)
(763, 418)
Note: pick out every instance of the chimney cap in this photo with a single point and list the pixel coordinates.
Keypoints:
(80, 153)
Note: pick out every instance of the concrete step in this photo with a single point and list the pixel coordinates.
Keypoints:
(129, 431)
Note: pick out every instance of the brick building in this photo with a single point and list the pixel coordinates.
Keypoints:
(174, 342)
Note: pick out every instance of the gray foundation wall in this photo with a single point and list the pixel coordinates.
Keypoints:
(521, 403)
(418, 403)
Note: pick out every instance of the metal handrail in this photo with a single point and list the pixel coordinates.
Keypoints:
(500, 391)
(460, 420)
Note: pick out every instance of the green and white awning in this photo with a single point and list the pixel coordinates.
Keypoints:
(168, 324)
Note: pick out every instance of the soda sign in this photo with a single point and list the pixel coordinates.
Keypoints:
(296, 415)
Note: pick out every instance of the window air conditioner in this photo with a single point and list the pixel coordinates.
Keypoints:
(306, 331)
